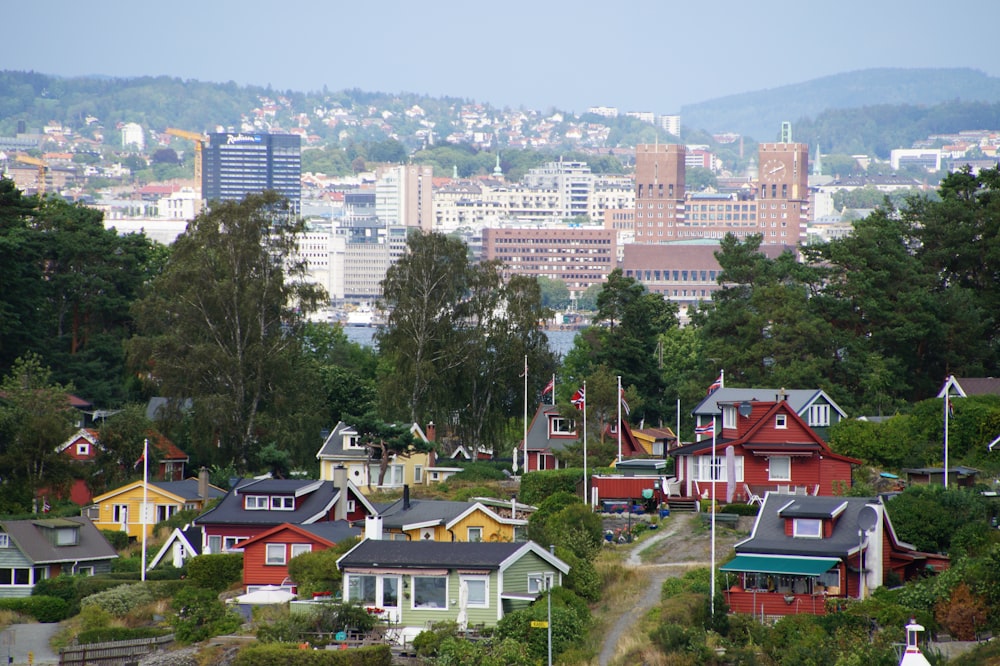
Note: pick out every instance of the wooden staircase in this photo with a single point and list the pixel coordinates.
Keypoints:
(683, 504)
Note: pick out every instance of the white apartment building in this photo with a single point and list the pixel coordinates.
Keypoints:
(133, 136)
(404, 195)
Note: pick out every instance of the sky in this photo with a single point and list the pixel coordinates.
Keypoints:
(642, 55)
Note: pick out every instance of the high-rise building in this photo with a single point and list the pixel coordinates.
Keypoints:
(783, 192)
(659, 191)
(404, 196)
(237, 164)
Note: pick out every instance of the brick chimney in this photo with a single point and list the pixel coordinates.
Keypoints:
(431, 432)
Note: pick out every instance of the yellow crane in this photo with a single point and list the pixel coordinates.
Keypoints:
(40, 163)
(199, 140)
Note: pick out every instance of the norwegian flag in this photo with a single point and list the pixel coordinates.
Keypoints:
(579, 398)
(551, 385)
(705, 429)
(621, 396)
(715, 386)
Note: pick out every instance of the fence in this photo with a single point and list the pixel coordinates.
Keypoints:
(112, 653)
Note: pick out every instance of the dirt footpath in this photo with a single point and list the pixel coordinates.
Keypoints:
(682, 541)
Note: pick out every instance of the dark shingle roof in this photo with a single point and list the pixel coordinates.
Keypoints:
(429, 554)
(230, 511)
(422, 511)
(32, 540)
(188, 489)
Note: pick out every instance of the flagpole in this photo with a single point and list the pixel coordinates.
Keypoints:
(145, 503)
(553, 389)
(586, 479)
(946, 410)
(619, 418)
(524, 469)
(714, 475)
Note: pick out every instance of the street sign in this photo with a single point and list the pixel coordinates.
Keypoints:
(539, 624)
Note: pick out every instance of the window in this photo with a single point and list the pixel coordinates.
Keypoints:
(283, 503)
(807, 527)
(561, 426)
(704, 470)
(478, 591)
(83, 449)
(119, 513)
(4, 541)
(430, 592)
(418, 474)
(393, 475)
(164, 511)
(275, 553)
(538, 582)
(215, 544)
(729, 416)
(299, 548)
(819, 415)
(67, 536)
(780, 468)
(475, 534)
(229, 543)
(361, 589)
(256, 502)
(84, 571)
(781, 421)
(16, 576)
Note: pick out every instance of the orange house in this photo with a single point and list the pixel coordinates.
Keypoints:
(266, 556)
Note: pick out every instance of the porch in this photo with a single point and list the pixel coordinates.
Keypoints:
(775, 585)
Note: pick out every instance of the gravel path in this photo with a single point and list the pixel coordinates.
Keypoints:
(682, 545)
(18, 640)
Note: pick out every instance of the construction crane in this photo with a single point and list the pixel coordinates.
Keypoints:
(199, 140)
(40, 163)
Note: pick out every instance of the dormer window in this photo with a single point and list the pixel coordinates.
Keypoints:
(561, 426)
(729, 416)
(283, 503)
(67, 536)
(4, 541)
(353, 442)
(810, 528)
(256, 502)
(781, 421)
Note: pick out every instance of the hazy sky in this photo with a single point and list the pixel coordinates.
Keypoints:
(649, 55)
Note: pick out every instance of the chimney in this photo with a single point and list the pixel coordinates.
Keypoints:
(340, 483)
(373, 528)
(203, 485)
(513, 508)
(431, 431)
(406, 497)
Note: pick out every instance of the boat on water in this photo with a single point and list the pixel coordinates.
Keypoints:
(363, 317)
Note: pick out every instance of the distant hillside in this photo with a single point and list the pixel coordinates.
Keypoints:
(759, 114)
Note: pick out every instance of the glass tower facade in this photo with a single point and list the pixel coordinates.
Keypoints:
(237, 164)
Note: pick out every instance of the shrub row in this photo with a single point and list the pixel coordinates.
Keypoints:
(43, 609)
(120, 601)
(741, 509)
(537, 486)
(216, 572)
(292, 655)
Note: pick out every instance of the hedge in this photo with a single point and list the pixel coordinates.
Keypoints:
(741, 509)
(118, 634)
(216, 571)
(536, 486)
(289, 654)
(43, 609)
(117, 538)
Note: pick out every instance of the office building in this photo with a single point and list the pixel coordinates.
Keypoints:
(237, 164)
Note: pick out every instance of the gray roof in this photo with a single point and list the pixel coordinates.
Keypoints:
(333, 531)
(422, 511)
(798, 399)
(769, 537)
(230, 511)
(333, 445)
(428, 554)
(538, 431)
(188, 489)
(32, 539)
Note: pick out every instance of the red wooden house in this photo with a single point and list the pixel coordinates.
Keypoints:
(266, 556)
(804, 553)
(760, 447)
(550, 432)
(84, 446)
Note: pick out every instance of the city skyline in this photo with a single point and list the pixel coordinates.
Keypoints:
(639, 56)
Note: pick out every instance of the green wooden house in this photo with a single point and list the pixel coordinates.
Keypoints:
(32, 550)
(413, 584)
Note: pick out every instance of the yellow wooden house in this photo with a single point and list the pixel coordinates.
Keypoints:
(480, 519)
(121, 508)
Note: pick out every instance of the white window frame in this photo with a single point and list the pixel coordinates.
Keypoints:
(275, 554)
(773, 475)
(73, 534)
(300, 548)
(232, 542)
(485, 581)
(470, 531)
(215, 543)
(780, 421)
(85, 571)
(418, 474)
(256, 502)
(535, 581)
(83, 449)
(729, 416)
(559, 425)
(807, 528)
(282, 503)
(119, 513)
(819, 415)
(4, 540)
(703, 467)
(351, 442)
(413, 589)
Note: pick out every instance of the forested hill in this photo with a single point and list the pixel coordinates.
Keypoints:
(759, 114)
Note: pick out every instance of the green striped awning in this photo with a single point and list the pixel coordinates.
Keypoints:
(775, 564)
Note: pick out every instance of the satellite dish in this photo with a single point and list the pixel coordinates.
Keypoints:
(745, 408)
(867, 518)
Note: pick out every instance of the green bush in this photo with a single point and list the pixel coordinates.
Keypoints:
(117, 538)
(292, 655)
(43, 609)
(179, 519)
(121, 600)
(479, 471)
(118, 634)
(215, 572)
(740, 509)
(537, 486)
(88, 585)
(201, 615)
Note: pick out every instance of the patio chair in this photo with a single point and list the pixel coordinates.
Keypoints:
(752, 497)
(671, 487)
